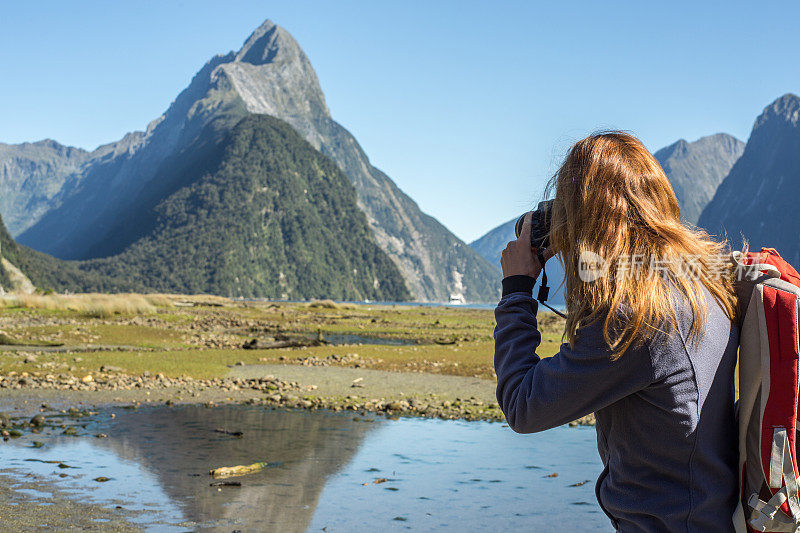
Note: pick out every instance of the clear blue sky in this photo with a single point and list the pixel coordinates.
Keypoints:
(468, 106)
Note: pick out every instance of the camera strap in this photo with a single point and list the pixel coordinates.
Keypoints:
(544, 290)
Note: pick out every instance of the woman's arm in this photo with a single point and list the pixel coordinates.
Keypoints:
(537, 394)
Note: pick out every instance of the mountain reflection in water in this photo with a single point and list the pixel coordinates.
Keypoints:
(160, 457)
(303, 450)
(431, 475)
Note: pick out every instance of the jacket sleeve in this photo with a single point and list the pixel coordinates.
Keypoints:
(537, 394)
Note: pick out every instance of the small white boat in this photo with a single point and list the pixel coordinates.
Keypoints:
(457, 299)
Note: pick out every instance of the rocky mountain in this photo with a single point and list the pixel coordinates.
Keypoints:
(31, 177)
(269, 75)
(758, 198)
(696, 169)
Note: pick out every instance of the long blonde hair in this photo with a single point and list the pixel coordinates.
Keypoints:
(613, 200)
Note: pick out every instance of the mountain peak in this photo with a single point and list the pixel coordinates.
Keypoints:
(720, 141)
(270, 43)
(273, 76)
(785, 108)
(718, 137)
(695, 169)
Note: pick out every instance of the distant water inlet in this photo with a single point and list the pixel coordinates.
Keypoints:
(347, 338)
(322, 470)
(333, 339)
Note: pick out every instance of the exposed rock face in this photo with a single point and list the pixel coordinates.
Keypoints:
(10, 275)
(23, 270)
(269, 75)
(17, 281)
(31, 177)
(696, 169)
(759, 197)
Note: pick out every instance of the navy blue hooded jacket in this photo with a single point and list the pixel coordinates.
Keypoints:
(666, 428)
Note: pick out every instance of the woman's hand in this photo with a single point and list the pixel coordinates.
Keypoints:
(519, 257)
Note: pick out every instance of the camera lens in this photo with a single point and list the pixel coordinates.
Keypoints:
(540, 225)
(518, 225)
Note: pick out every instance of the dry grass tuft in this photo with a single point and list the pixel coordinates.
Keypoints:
(159, 300)
(90, 305)
(194, 299)
(328, 304)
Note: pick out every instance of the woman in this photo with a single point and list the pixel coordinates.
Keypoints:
(652, 341)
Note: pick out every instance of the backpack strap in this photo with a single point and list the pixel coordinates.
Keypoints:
(768, 516)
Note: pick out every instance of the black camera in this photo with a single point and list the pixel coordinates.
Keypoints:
(540, 239)
(540, 225)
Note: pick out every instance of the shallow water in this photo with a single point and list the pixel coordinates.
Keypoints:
(349, 338)
(440, 475)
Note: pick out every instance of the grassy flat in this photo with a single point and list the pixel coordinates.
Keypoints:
(202, 337)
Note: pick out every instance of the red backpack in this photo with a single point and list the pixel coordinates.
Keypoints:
(768, 291)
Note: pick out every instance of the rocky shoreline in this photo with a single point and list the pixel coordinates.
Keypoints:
(268, 391)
